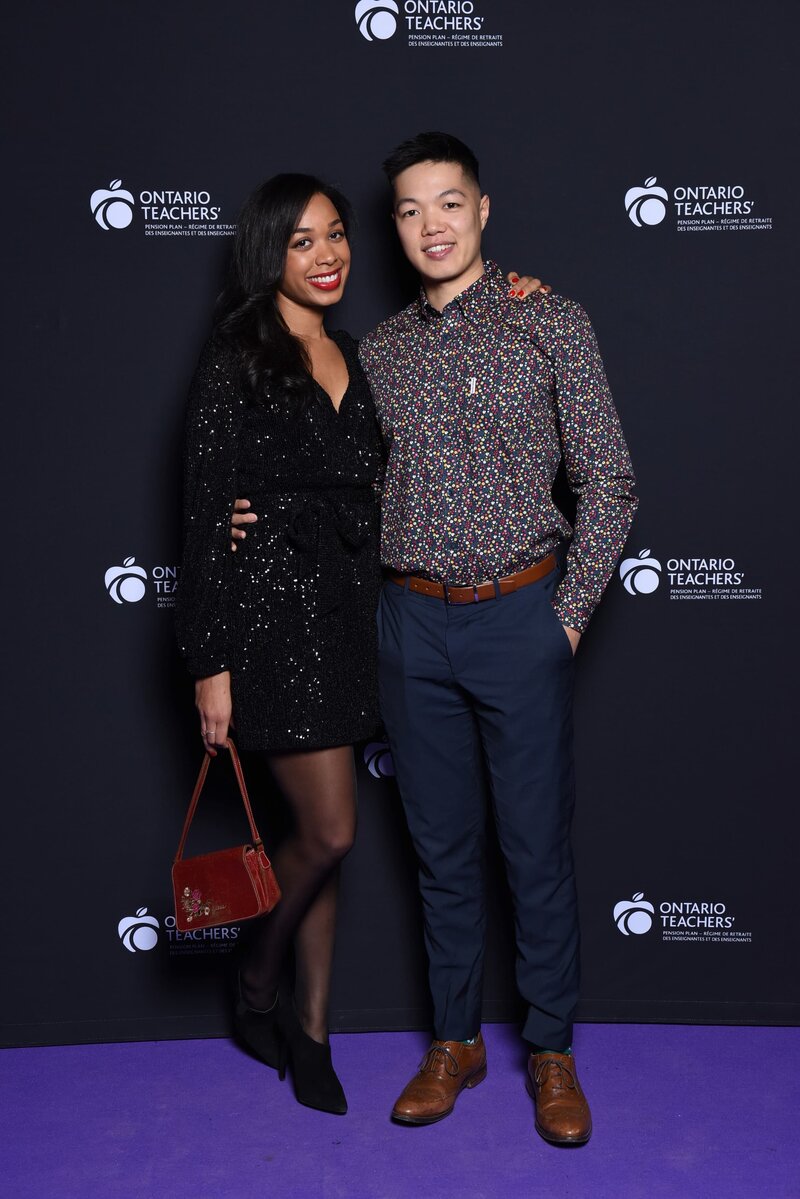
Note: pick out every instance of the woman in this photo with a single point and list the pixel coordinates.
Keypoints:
(282, 634)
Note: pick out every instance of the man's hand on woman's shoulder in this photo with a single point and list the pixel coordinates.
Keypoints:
(526, 286)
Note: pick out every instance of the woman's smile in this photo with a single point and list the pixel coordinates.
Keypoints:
(327, 282)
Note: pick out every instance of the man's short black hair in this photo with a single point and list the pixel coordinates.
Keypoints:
(431, 147)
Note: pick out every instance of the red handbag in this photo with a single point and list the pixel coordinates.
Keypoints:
(227, 886)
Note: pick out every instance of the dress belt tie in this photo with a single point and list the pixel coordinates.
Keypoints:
(320, 529)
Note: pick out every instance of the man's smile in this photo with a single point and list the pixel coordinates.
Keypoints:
(440, 250)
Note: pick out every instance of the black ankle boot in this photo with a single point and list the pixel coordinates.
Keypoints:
(260, 1032)
(315, 1081)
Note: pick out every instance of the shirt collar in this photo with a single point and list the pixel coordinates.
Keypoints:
(474, 301)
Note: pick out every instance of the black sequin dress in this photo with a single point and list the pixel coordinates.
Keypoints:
(291, 614)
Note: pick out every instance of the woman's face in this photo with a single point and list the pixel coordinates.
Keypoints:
(318, 257)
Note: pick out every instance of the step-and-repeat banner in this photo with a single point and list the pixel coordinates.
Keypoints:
(639, 159)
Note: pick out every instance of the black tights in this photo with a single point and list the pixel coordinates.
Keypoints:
(320, 789)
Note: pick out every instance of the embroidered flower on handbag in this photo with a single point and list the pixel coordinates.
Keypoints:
(193, 904)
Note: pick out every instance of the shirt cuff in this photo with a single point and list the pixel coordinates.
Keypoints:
(570, 613)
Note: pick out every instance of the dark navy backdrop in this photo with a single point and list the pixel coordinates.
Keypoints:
(136, 132)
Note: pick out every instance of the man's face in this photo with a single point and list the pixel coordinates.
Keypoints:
(440, 215)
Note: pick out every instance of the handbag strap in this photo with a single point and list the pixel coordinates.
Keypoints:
(198, 787)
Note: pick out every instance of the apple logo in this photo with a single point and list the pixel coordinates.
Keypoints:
(112, 208)
(646, 205)
(634, 915)
(125, 584)
(139, 931)
(376, 19)
(378, 758)
(640, 576)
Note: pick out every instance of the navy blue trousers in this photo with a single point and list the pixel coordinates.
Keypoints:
(462, 688)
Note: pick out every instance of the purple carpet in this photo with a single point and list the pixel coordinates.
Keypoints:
(678, 1111)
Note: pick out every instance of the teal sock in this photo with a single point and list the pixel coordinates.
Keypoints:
(546, 1049)
(471, 1041)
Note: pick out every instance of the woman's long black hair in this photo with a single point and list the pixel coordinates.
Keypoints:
(247, 313)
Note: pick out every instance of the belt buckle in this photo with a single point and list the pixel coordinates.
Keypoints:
(476, 599)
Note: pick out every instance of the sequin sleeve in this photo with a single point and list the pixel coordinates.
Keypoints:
(598, 468)
(216, 406)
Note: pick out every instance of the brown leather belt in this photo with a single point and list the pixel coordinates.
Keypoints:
(481, 591)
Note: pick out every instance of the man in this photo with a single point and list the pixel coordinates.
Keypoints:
(478, 398)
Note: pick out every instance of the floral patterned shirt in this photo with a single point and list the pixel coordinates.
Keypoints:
(478, 404)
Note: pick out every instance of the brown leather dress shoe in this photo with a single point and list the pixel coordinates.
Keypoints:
(447, 1068)
(562, 1113)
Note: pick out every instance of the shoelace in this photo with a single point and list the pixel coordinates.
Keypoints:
(565, 1075)
(438, 1053)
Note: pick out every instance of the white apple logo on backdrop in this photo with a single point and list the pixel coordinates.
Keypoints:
(139, 931)
(646, 205)
(112, 207)
(125, 584)
(376, 19)
(634, 915)
(641, 575)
